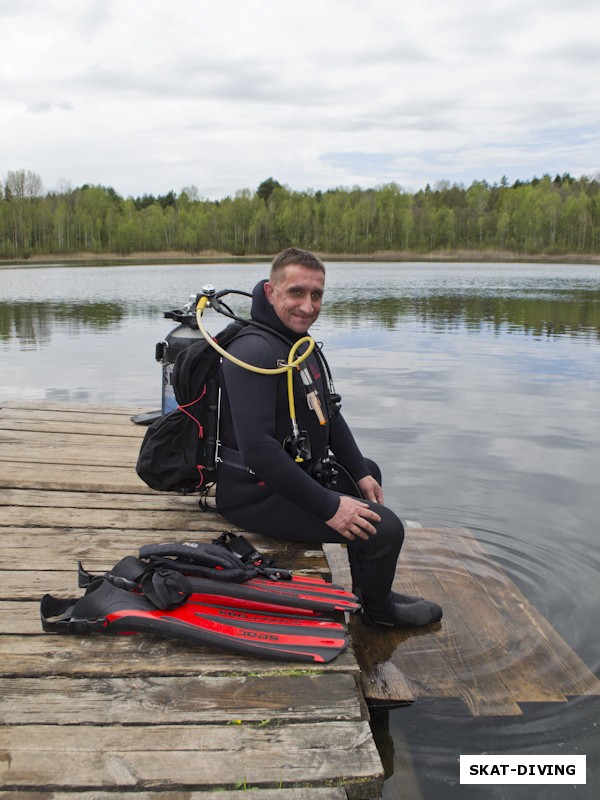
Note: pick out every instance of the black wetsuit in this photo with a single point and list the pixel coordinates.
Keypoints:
(261, 488)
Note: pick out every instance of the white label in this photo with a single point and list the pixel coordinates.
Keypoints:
(522, 769)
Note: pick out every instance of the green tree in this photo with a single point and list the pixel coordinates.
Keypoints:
(266, 189)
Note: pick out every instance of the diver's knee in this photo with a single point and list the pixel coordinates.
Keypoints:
(390, 528)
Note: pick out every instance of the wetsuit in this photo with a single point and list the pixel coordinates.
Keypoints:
(261, 488)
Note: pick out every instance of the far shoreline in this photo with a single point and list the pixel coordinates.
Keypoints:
(212, 257)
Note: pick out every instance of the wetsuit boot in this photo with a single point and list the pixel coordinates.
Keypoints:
(393, 614)
(373, 567)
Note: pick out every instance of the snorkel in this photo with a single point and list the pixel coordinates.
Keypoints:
(297, 445)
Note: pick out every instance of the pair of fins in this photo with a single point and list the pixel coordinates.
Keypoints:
(240, 605)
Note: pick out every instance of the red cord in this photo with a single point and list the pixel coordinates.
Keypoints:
(191, 416)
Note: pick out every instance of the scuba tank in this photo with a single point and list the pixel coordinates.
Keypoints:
(174, 342)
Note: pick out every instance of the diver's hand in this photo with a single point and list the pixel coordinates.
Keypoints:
(370, 489)
(353, 519)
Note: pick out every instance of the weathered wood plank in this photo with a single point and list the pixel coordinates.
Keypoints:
(383, 678)
(22, 528)
(32, 440)
(171, 757)
(120, 423)
(178, 700)
(98, 548)
(101, 548)
(18, 617)
(70, 453)
(63, 426)
(32, 653)
(71, 477)
(27, 584)
(48, 498)
(536, 662)
(462, 663)
(453, 650)
(185, 520)
(70, 407)
(23, 585)
(304, 793)
(493, 648)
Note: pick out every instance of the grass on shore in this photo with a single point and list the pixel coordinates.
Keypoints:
(211, 256)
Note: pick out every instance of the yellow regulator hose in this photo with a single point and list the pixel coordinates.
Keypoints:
(291, 364)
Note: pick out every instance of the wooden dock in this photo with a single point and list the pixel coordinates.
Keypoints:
(88, 717)
(84, 716)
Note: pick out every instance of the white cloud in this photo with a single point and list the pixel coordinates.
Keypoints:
(147, 96)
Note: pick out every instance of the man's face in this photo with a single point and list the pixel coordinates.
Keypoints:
(296, 295)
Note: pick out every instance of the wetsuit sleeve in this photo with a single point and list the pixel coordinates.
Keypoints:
(253, 400)
(345, 449)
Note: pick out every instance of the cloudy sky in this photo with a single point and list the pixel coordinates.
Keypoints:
(152, 95)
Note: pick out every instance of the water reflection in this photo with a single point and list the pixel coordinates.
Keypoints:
(574, 313)
(33, 323)
(554, 314)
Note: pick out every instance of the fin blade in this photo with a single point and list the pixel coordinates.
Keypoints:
(282, 593)
(246, 637)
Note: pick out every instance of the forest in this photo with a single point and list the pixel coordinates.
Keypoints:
(547, 216)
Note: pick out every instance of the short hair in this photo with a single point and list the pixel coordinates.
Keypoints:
(294, 255)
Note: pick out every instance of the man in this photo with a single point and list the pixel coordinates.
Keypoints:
(279, 485)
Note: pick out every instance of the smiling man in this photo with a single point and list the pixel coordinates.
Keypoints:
(296, 294)
(314, 486)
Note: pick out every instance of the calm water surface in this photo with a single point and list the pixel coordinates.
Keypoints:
(476, 389)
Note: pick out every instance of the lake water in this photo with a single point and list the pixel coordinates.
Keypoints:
(475, 387)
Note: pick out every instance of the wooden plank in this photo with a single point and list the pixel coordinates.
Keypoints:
(32, 440)
(31, 653)
(167, 757)
(64, 499)
(304, 793)
(178, 700)
(186, 520)
(24, 524)
(26, 584)
(71, 407)
(493, 649)
(98, 548)
(536, 661)
(120, 423)
(62, 426)
(18, 617)
(460, 664)
(71, 477)
(495, 612)
(70, 453)
(383, 679)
